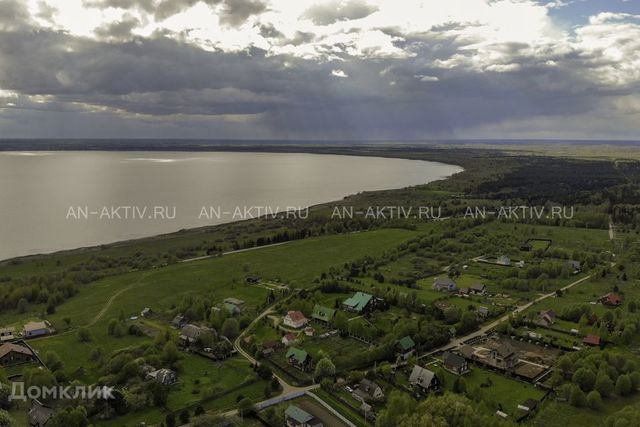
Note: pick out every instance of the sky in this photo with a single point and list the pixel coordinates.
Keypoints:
(320, 69)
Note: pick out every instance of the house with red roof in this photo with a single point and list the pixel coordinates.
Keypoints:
(592, 340)
(289, 339)
(295, 319)
(611, 299)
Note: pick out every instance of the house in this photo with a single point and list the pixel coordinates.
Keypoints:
(7, 334)
(405, 347)
(503, 260)
(444, 284)
(546, 318)
(467, 351)
(611, 299)
(483, 311)
(477, 289)
(234, 301)
(253, 279)
(298, 358)
(190, 333)
(520, 264)
(322, 314)
(454, 363)
(289, 339)
(35, 329)
(296, 417)
(178, 321)
(502, 355)
(163, 376)
(592, 340)
(295, 319)
(367, 391)
(309, 331)
(39, 414)
(464, 291)
(573, 266)
(14, 354)
(359, 302)
(423, 379)
(269, 347)
(529, 405)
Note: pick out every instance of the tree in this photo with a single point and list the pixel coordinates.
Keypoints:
(264, 372)
(170, 420)
(399, 404)
(53, 361)
(623, 385)
(577, 397)
(170, 354)
(585, 379)
(6, 420)
(84, 335)
(198, 411)
(246, 408)
(70, 417)
(184, 416)
(594, 401)
(604, 385)
(230, 328)
(23, 305)
(459, 385)
(324, 368)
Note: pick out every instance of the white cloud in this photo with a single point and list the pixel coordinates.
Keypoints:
(424, 78)
(339, 73)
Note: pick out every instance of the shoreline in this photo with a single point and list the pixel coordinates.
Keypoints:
(205, 228)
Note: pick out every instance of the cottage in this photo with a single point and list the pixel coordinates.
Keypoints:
(14, 354)
(444, 284)
(298, 358)
(405, 347)
(423, 379)
(35, 329)
(503, 260)
(477, 289)
(39, 414)
(502, 355)
(296, 417)
(454, 363)
(611, 299)
(323, 314)
(178, 321)
(483, 311)
(467, 351)
(573, 266)
(546, 318)
(295, 319)
(368, 391)
(269, 347)
(163, 376)
(7, 334)
(190, 333)
(592, 340)
(289, 339)
(359, 302)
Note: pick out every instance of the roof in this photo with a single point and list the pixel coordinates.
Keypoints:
(420, 375)
(530, 403)
(358, 301)
(296, 316)
(452, 359)
(505, 349)
(9, 347)
(482, 309)
(191, 331)
(323, 313)
(444, 281)
(290, 337)
(591, 339)
(39, 414)
(612, 298)
(298, 354)
(298, 414)
(478, 287)
(234, 301)
(8, 329)
(231, 308)
(467, 351)
(33, 326)
(269, 344)
(368, 386)
(406, 343)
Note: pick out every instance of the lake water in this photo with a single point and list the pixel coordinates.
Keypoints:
(61, 200)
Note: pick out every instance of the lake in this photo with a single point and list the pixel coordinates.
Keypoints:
(62, 200)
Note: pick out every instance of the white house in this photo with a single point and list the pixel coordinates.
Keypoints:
(295, 319)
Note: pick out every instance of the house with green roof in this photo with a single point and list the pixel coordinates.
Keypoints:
(298, 358)
(296, 417)
(323, 314)
(405, 347)
(359, 302)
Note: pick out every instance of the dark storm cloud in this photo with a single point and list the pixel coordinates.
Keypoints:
(332, 12)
